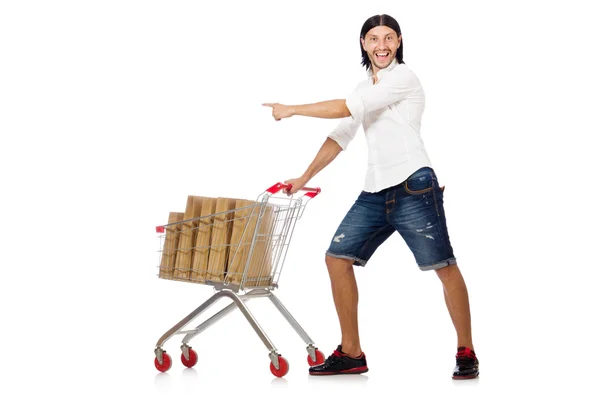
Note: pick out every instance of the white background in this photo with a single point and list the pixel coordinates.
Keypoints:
(112, 112)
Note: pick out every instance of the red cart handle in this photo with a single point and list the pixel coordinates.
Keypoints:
(311, 191)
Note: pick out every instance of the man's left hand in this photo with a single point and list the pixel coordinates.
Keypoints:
(297, 184)
(280, 111)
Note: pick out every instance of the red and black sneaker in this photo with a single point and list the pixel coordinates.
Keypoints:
(340, 363)
(467, 365)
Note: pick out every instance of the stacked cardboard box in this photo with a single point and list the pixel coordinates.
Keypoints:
(183, 260)
(212, 242)
(255, 260)
(169, 253)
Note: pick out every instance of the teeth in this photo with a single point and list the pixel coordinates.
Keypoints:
(381, 54)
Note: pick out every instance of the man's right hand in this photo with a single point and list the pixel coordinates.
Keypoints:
(297, 184)
(280, 111)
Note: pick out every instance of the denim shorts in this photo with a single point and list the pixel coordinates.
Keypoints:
(414, 208)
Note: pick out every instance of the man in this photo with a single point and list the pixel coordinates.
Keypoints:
(401, 192)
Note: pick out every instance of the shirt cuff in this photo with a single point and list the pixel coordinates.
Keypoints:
(341, 139)
(356, 106)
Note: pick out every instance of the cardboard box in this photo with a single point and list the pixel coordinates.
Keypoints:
(201, 249)
(220, 239)
(244, 225)
(183, 262)
(261, 264)
(255, 260)
(170, 246)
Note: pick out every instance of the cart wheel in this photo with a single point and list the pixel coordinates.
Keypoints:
(283, 368)
(192, 361)
(166, 364)
(320, 358)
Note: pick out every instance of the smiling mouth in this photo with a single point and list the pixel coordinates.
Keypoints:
(382, 56)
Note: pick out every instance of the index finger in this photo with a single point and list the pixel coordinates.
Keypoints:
(268, 104)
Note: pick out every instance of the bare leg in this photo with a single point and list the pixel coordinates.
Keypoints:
(457, 301)
(345, 297)
(448, 306)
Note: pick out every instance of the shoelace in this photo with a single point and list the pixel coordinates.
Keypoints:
(465, 359)
(334, 358)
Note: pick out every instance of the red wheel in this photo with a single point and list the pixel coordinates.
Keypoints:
(192, 361)
(284, 367)
(166, 363)
(320, 358)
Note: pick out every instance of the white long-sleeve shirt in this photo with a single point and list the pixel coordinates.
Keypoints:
(390, 112)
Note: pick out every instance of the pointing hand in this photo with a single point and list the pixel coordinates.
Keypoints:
(280, 111)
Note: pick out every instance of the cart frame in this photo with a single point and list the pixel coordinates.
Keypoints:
(239, 292)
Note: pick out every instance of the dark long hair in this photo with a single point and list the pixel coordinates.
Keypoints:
(380, 20)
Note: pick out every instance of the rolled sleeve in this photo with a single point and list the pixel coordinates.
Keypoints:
(356, 106)
(345, 132)
(393, 87)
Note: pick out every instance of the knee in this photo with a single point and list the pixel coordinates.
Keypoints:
(447, 272)
(337, 264)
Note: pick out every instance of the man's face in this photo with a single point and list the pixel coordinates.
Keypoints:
(381, 44)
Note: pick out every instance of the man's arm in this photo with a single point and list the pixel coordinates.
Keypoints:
(393, 88)
(333, 109)
(328, 152)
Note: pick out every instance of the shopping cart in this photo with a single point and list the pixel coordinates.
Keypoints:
(240, 252)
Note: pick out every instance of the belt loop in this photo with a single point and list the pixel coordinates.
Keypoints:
(390, 200)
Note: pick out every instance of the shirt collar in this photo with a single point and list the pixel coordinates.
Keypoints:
(382, 72)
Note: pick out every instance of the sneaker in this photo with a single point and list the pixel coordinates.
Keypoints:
(467, 365)
(340, 363)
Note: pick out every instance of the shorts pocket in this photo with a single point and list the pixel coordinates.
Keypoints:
(419, 183)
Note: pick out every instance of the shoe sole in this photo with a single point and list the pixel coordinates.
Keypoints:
(360, 370)
(466, 376)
